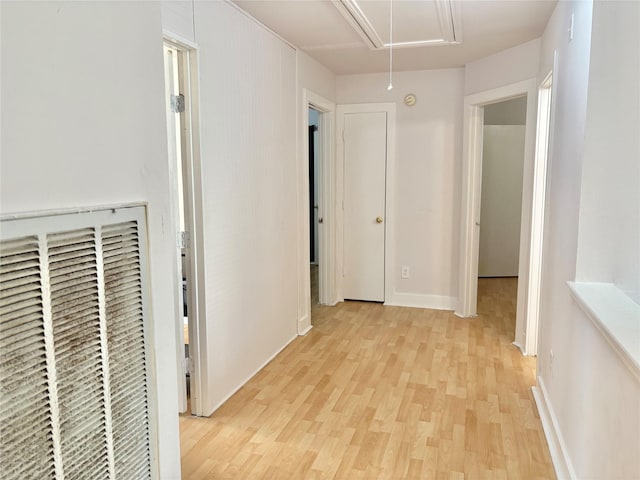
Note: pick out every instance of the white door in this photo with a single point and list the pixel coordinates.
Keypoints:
(365, 158)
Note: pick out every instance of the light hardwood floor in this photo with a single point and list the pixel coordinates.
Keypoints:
(383, 393)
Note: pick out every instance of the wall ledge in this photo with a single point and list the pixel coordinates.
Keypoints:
(616, 317)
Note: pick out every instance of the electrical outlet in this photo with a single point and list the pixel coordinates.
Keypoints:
(405, 272)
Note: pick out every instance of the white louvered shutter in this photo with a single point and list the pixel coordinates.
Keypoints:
(74, 372)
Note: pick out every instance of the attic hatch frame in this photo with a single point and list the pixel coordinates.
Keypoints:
(449, 19)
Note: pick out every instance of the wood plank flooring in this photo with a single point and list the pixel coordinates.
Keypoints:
(383, 393)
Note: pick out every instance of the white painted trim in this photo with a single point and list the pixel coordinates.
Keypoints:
(259, 23)
(302, 333)
(198, 349)
(558, 449)
(173, 76)
(178, 40)
(389, 244)
(246, 380)
(67, 211)
(418, 300)
(193, 196)
(326, 236)
(471, 192)
(615, 316)
(546, 92)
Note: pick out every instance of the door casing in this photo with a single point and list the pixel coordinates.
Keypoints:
(196, 301)
(326, 187)
(525, 335)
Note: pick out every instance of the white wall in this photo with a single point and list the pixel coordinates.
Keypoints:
(503, 68)
(509, 112)
(428, 161)
(248, 143)
(591, 394)
(610, 197)
(253, 153)
(315, 77)
(501, 202)
(177, 19)
(84, 125)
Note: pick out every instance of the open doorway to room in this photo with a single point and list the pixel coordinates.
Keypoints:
(314, 203)
(317, 245)
(503, 141)
(178, 62)
(531, 211)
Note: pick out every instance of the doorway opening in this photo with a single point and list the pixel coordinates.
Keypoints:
(179, 94)
(501, 200)
(314, 201)
(474, 112)
(317, 218)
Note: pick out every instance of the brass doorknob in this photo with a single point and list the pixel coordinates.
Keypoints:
(378, 219)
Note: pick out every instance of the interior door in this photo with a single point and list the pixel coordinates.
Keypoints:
(365, 159)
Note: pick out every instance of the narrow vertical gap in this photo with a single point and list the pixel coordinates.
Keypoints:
(104, 351)
(50, 355)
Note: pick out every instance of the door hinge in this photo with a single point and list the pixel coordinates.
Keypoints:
(177, 103)
(183, 239)
(187, 364)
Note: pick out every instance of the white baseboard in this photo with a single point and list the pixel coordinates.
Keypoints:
(520, 347)
(416, 300)
(304, 325)
(557, 448)
(302, 333)
(242, 383)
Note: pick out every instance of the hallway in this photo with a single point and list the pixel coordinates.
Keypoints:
(383, 392)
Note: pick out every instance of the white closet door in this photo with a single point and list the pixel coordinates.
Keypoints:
(365, 158)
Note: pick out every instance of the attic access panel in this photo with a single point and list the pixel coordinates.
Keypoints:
(428, 22)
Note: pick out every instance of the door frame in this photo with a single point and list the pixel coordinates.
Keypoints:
(389, 217)
(326, 209)
(544, 138)
(192, 194)
(470, 207)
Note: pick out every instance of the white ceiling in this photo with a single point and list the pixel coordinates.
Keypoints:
(321, 28)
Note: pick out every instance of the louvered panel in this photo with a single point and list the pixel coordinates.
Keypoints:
(26, 445)
(75, 314)
(125, 336)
